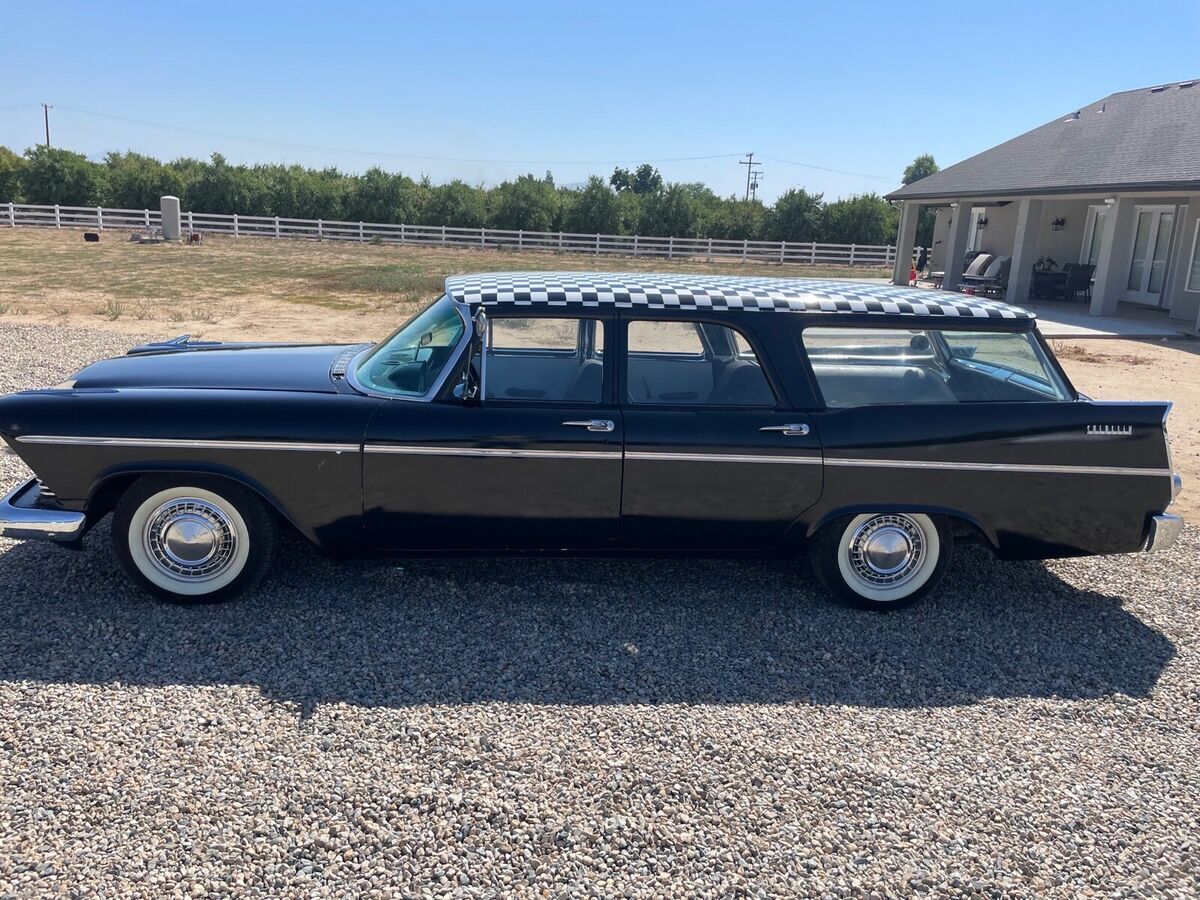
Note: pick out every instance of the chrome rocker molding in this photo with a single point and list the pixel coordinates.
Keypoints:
(21, 517)
(184, 443)
(1164, 531)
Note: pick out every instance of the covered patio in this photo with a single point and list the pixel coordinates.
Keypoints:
(1100, 208)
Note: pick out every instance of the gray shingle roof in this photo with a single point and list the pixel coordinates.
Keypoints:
(644, 290)
(1147, 138)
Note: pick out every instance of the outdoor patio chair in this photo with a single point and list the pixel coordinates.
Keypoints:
(974, 267)
(1079, 281)
(993, 279)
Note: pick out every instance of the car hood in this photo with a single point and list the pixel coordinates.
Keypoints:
(262, 368)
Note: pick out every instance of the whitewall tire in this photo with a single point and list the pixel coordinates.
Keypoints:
(193, 539)
(881, 560)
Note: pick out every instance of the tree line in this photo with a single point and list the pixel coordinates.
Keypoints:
(630, 201)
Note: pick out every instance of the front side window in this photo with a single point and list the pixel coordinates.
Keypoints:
(410, 361)
(692, 364)
(864, 366)
(546, 360)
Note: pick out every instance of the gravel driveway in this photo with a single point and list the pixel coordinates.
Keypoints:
(591, 728)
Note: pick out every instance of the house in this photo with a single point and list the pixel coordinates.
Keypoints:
(1115, 184)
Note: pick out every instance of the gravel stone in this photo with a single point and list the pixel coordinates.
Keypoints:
(591, 728)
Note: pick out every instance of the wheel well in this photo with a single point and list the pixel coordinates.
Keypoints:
(964, 528)
(108, 493)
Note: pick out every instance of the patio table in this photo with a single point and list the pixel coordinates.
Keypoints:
(1047, 285)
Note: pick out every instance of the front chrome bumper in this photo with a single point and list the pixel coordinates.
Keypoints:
(21, 517)
(1164, 531)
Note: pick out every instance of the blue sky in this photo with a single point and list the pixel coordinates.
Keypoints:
(572, 87)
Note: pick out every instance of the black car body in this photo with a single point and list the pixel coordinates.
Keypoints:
(868, 426)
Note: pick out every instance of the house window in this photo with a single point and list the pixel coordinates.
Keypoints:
(1193, 276)
(1093, 235)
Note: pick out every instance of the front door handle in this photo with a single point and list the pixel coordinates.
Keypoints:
(593, 424)
(795, 429)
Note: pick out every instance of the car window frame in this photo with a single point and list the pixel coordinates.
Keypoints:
(697, 317)
(584, 349)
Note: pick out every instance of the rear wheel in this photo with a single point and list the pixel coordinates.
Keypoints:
(881, 561)
(193, 540)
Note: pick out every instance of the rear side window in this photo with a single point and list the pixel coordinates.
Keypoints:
(692, 364)
(864, 366)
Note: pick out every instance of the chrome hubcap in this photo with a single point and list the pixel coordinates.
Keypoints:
(190, 539)
(886, 550)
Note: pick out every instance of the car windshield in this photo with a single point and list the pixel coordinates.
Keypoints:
(409, 362)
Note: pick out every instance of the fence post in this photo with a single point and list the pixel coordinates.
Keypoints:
(277, 226)
(520, 239)
(782, 250)
(560, 240)
(236, 233)
(443, 235)
(191, 226)
(146, 218)
(852, 246)
(745, 248)
(710, 249)
(597, 244)
(482, 236)
(403, 239)
(671, 247)
(812, 254)
(635, 246)
(99, 218)
(361, 237)
(12, 216)
(57, 218)
(320, 229)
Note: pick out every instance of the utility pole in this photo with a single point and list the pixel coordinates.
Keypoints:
(46, 107)
(758, 177)
(751, 167)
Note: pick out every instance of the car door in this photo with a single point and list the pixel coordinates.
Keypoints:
(536, 464)
(714, 459)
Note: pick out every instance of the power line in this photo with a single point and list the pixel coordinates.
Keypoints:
(411, 156)
(792, 162)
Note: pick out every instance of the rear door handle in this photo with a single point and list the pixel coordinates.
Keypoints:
(795, 429)
(593, 424)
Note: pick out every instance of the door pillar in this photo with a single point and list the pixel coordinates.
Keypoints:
(1024, 252)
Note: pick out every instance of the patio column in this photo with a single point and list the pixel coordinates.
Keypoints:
(910, 211)
(956, 244)
(1024, 252)
(1112, 267)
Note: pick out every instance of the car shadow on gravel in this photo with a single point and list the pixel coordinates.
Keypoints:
(387, 633)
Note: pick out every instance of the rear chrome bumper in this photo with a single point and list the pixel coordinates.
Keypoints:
(22, 518)
(1164, 531)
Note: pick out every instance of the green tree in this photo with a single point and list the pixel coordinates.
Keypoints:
(11, 167)
(670, 212)
(52, 175)
(732, 219)
(528, 203)
(593, 210)
(922, 167)
(456, 205)
(644, 180)
(218, 187)
(134, 181)
(865, 219)
(796, 216)
(379, 196)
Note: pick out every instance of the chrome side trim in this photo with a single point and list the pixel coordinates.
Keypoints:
(504, 452)
(723, 457)
(184, 443)
(27, 521)
(995, 467)
(1164, 531)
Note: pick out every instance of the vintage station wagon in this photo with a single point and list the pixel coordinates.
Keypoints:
(868, 427)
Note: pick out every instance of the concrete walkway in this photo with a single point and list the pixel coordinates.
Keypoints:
(1072, 320)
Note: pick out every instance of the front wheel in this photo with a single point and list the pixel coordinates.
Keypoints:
(881, 561)
(193, 540)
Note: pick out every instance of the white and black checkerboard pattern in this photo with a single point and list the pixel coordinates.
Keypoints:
(717, 292)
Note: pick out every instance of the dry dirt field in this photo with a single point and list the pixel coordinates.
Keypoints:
(235, 289)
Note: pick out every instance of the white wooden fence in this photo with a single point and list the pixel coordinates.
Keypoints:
(809, 254)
